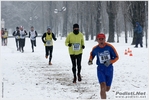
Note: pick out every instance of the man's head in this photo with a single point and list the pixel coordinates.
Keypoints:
(76, 29)
(17, 28)
(137, 24)
(49, 29)
(32, 28)
(101, 38)
(21, 28)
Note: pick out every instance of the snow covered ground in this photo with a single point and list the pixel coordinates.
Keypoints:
(28, 75)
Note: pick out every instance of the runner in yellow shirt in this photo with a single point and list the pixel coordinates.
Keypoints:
(75, 43)
(47, 39)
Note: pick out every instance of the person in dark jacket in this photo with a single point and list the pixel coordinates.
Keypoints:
(139, 34)
(2, 36)
(47, 39)
(32, 35)
(23, 34)
(17, 37)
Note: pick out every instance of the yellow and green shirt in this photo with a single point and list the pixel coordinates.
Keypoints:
(77, 42)
(48, 39)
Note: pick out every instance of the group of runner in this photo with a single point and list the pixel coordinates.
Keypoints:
(20, 34)
(105, 53)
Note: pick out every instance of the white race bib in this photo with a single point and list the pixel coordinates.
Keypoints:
(17, 37)
(104, 56)
(48, 43)
(76, 46)
(32, 38)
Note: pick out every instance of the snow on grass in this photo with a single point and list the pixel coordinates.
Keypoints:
(28, 75)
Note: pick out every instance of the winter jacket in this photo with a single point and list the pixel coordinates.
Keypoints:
(138, 29)
(48, 38)
(77, 42)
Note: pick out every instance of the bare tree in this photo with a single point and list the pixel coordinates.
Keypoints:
(126, 6)
(146, 23)
(136, 14)
(112, 11)
(65, 19)
(92, 16)
(86, 21)
(98, 22)
(117, 22)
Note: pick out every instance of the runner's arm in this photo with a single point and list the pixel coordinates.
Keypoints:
(44, 35)
(14, 33)
(29, 35)
(114, 55)
(36, 33)
(67, 41)
(92, 55)
(25, 32)
(53, 36)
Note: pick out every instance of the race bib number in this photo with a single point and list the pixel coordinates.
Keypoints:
(104, 56)
(32, 37)
(48, 43)
(17, 37)
(76, 46)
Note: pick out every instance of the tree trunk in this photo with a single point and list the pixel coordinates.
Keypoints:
(117, 30)
(125, 28)
(43, 18)
(134, 39)
(81, 25)
(65, 21)
(146, 23)
(111, 27)
(98, 24)
(92, 35)
(86, 22)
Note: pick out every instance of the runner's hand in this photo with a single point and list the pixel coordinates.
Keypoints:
(90, 62)
(107, 63)
(69, 44)
(83, 46)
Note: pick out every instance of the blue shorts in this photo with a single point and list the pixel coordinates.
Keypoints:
(105, 74)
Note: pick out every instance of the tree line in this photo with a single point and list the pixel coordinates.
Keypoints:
(109, 17)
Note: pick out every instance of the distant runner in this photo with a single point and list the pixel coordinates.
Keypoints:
(17, 37)
(23, 34)
(32, 35)
(47, 39)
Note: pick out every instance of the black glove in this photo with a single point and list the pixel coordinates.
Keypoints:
(107, 63)
(44, 41)
(69, 44)
(90, 62)
(55, 39)
(83, 46)
(35, 37)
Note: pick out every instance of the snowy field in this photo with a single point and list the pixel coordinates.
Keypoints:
(28, 75)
